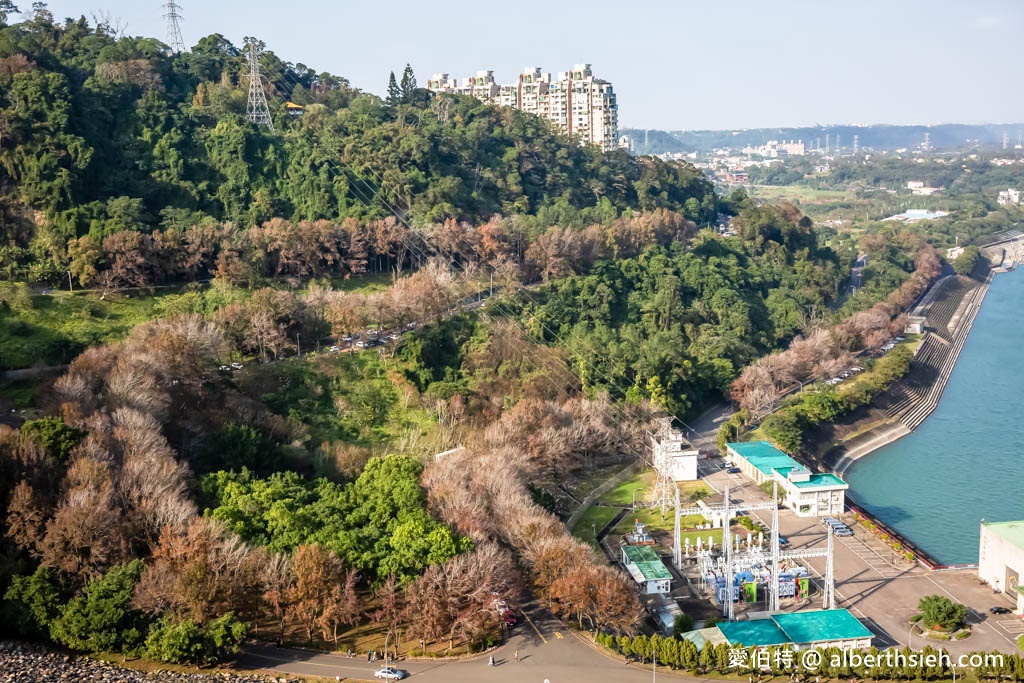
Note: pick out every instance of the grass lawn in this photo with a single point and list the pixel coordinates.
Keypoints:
(593, 519)
(622, 494)
(800, 193)
(652, 518)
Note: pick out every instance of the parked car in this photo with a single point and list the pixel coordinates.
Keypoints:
(1000, 610)
(361, 344)
(390, 673)
(843, 531)
(394, 336)
(236, 366)
(783, 540)
(830, 520)
(733, 470)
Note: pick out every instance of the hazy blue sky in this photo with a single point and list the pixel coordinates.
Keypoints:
(675, 64)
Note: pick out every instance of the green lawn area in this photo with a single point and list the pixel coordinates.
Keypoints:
(623, 493)
(596, 516)
(652, 518)
(800, 193)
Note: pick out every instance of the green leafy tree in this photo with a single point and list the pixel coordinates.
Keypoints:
(54, 435)
(31, 602)
(7, 8)
(186, 642)
(940, 612)
(965, 263)
(683, 624)
(102, 618)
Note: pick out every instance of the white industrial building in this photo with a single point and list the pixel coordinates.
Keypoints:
(668, 456)
(806, 493)
(646, 568)
(1001, 558)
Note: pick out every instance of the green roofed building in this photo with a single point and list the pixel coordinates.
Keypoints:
(815, 628)
(646, 568)
(808, 494)
(756, 632)
(1001, 559)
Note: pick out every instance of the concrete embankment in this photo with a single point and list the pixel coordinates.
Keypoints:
(920, 401)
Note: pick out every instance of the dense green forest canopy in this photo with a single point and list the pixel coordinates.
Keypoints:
(101, 134)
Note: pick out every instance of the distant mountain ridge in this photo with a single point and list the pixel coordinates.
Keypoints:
(879, 137)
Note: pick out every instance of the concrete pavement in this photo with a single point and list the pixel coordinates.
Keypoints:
(547, 652)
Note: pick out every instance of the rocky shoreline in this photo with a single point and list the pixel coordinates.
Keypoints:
(30, 663)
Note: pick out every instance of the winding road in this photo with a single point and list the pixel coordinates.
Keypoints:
(547, 652)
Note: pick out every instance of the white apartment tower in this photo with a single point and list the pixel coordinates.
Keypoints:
(579, 104)
(481, 86)
(442, 83)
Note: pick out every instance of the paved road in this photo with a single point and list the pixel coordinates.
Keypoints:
(547, 652)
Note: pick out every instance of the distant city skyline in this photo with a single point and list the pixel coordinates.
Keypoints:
(674, 65)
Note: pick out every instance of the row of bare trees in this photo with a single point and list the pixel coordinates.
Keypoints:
(132, 258)
(482, 491)
(826, 352)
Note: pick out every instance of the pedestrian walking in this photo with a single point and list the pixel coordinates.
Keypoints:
(517, 656)
(490, 661)
(368, 653)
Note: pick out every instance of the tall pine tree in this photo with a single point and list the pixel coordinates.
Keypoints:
(394, 94)
(408, 84)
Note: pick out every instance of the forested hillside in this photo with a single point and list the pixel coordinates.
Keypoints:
(102, 135)
(192, 477)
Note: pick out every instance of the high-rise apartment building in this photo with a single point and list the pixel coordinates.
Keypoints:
(579, 104)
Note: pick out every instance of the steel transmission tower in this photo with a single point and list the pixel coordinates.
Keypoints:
(257, 110)
(174, 39)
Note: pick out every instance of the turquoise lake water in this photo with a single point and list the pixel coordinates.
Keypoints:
(965, 463)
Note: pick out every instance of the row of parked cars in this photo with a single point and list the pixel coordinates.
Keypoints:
(849, 372)
(839, 528)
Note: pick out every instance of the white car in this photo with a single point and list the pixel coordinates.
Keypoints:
(389, 673)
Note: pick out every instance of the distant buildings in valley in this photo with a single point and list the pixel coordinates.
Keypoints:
(774, 149)
(578, 103)
(915, 215)
(919, 189)
(1008, 197)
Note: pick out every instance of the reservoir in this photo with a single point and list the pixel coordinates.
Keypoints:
(964, 464)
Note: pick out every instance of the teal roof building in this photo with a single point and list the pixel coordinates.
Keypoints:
(808, 494)
(814, 628)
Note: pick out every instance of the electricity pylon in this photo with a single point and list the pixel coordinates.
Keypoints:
(174, 39)
(256, 110)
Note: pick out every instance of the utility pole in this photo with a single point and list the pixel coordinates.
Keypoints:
(174, 39)
(256, 110)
